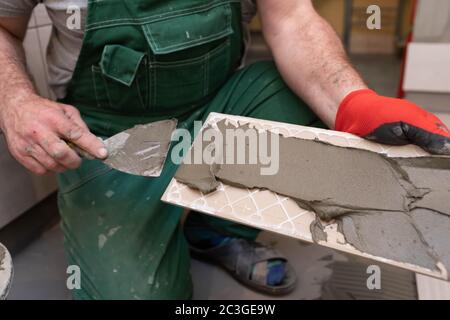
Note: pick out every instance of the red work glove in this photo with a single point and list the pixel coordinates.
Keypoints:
(392, 121)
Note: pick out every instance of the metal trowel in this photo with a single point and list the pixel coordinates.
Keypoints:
(141, 150)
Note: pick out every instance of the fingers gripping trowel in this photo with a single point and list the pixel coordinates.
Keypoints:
(141, 150)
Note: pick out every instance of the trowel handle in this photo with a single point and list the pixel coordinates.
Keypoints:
(82, 153)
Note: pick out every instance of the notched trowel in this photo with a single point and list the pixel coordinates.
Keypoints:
(141, 150)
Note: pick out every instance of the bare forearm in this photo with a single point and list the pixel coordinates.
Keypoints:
(313, 62)
(36, 129)
(14, 80)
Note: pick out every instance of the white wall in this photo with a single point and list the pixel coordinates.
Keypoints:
(432, 22)
(427, 80)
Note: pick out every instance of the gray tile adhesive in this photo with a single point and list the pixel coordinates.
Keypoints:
(389, 207)
(141, 150)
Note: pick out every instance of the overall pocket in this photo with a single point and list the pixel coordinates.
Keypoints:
(190, 55)
(121, 79)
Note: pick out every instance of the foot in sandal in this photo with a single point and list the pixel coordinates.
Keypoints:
(257, 266)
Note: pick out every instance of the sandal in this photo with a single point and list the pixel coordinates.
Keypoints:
(238, 256)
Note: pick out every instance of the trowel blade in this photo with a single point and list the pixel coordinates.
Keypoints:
(141, 150)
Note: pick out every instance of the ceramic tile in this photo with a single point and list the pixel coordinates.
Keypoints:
(432, 289)
(269, 211)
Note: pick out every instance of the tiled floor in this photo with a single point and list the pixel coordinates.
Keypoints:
(309, 261)
(40, 271)
(40, 274)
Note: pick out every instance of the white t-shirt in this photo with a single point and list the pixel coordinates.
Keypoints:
(65, 44)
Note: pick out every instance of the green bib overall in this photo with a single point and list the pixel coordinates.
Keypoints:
(143, 61)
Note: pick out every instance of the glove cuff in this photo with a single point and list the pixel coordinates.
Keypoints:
(342, 117)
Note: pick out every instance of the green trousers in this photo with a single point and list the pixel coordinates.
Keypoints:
(130, 245)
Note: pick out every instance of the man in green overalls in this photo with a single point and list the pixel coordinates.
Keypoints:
(148, 60)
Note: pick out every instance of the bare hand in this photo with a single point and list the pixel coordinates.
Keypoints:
(36, 130)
